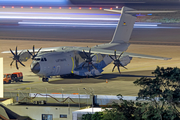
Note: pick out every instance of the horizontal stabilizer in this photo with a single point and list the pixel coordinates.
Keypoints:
(138, 11)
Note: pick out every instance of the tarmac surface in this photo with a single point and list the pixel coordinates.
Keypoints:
(117, 83)
(158, 41)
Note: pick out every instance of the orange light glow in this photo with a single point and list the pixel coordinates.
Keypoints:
(12, 7)
(111, 8)
(100, 8)
(21, 6)
(90, 8)
(59, 7)
(3, 6)
(40, 7)
(69, 7)
(50, 7)
(80, 8)
(31, 7)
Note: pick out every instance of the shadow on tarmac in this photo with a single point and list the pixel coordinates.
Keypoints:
(73, 79)
(21, 82)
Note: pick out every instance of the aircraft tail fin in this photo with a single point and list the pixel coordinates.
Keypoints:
(125, 25)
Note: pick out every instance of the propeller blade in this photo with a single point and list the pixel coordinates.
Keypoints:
(17, 65)
(33, 50)
(83, 64)
(120, 54)
(11, 63)
(111, 57)
(122, 65)
(118, 69)
(20, 53)
(88, 68)
(16, 50)
(12, 52)
(30, 53)
(21, 63)
(113, 68)
(94, 67)
(90, 52)
(85, 53)
(115, 54)
(38, 50)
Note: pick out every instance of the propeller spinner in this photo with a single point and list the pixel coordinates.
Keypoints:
(88, 59)
(33, 54)
(16, 57)
(117, 62)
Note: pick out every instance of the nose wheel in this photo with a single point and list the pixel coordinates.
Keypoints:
(45, 79)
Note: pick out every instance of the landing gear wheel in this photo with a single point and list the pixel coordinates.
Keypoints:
(45, 79)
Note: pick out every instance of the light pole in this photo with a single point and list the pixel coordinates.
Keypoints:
(92, 96)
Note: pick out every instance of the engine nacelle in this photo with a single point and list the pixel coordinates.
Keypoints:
(97, 58)
(125, 60)
(24, 56)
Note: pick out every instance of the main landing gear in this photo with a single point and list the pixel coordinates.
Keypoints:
(45, 79)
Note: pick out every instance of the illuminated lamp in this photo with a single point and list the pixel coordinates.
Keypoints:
(50, 7)
(21, 6)
(100, 8)
(90, 8)
(69, 7)
(110, 8)
(59, 7)
(80, 8)
(40, 7)
(12, 7)
(31, 7)
(3, 6)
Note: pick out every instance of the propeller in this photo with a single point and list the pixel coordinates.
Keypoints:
(33, 54)
(88, 59)
(16, 57)
(117, 62)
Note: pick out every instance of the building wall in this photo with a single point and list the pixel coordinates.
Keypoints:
(1, 78)
(35, 112)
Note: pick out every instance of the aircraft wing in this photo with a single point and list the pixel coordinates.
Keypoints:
(31, 50)
(101, 51)
(111, 52)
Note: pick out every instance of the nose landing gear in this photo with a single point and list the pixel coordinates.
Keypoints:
(44, 79)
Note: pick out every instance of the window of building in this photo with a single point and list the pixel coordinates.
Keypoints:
(63, 116)
(47, 117)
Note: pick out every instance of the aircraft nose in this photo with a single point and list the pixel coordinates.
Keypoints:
(35, 68)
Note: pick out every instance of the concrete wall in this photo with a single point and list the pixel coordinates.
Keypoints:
(35, 112)
(1, 78)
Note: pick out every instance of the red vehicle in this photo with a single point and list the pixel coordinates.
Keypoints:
(17, 77)
(7, 78)
(14, 77)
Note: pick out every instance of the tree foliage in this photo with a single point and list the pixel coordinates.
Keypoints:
(163, 92)
(160, 94)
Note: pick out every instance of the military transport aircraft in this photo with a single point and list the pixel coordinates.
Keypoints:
(85, 61)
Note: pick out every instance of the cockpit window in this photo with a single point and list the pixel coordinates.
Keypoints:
(42, 59)
(45, 59)
(37, 59)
